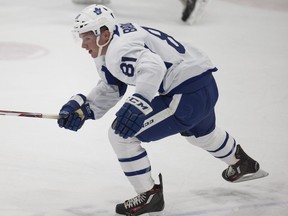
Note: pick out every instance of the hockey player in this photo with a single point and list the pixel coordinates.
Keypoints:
(193, 9)
(175, 93)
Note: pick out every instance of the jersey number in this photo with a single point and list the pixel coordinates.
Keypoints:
(169, 39)
(127, 66)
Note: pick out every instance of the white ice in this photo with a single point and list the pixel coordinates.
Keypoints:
(48, 171)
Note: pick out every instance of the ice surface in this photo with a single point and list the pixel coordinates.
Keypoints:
(47, 171)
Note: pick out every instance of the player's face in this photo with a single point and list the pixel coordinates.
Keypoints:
(89, 43)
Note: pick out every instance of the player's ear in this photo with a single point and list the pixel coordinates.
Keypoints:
(105, 33)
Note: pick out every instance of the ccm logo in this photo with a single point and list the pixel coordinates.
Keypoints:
(140, 104)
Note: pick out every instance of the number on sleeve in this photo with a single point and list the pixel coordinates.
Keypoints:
(127, 66)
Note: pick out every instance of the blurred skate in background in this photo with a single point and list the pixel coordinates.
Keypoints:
(193, 9)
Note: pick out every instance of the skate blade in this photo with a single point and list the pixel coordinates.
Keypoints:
(160, 213)
(259, 174)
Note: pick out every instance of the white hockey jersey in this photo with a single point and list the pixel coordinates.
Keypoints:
(147, 58)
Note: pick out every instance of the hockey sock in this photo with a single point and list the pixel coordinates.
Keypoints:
(133, 160)
(218, 143)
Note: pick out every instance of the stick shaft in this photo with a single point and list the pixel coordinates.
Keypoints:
(28, 114)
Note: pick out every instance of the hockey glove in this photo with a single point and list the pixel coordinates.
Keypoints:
(74, 113)
(131, 116)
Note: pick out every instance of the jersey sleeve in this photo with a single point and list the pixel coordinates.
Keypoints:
(150, 70)
(108, 91)
(137, 65)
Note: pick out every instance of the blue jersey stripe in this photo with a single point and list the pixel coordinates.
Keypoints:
(111, 80)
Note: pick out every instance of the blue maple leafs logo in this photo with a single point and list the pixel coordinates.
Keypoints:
(97, 11)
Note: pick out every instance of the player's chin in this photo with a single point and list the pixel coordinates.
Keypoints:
(93, 54)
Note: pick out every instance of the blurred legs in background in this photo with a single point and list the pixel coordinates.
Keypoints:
(193, 9)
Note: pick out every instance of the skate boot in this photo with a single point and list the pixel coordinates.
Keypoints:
(188, 9)
(151, 201)
(245, 169)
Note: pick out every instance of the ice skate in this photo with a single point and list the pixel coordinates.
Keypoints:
(150, 202)
(245, 169)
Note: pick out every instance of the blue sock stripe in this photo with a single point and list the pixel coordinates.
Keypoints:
(143, 154)
(138, 172)
(223, 145)
(234, 145)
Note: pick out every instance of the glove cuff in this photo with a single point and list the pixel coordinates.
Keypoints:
(84, 110)
(140, 103)
(79, 99)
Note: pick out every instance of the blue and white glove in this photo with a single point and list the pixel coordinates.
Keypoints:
(131, 116)
(74, 113)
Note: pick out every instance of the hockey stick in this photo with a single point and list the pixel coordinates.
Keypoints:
(28, 114)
